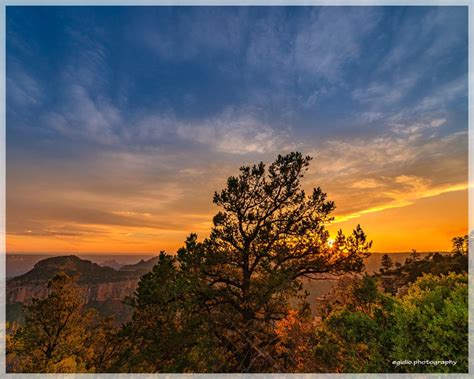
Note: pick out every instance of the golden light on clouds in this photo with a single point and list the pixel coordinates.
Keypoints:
(404, 200)
(426, 224)
(106, 157)
(127, 203)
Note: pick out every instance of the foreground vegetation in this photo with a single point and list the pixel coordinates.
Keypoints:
(235, 301)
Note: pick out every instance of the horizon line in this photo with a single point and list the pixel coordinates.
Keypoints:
(157, 253)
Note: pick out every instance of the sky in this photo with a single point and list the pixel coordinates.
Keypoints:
(123, 121)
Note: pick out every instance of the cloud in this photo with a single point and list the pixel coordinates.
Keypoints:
(421, 66)
(111, 192)
(83, 110)
(412, 188)
(368, 183)
(381, 94)
(331, 38)
(22, 88)
(230, 131)
(432, 35)
(417, 127)
(79, 215)
(436, 123)
(189, 34)
(87, 62)
(59, 231)
(271, 46)
(146, 116)
(445, 94)
(81, 116)
(235, 133)
(386, 152)
(371, 174)
(87, 112)
(296, 61)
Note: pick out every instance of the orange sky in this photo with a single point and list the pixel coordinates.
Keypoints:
(428, 224)
(128, 120)
(425, 219)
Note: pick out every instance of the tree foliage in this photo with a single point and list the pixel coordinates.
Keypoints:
(235, 301)
(228, 291)
(52, 339)
(395, 279)
(60, 336)
(460, 244)
(431, 323)
(371, 329)
(356, 336)
(386, 264)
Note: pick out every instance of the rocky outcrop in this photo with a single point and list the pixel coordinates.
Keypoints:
(110, 291)
(106, 291)
(143, 266)
(24, 293)
(98, 284)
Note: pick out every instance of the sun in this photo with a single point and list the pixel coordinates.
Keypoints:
(330, 242)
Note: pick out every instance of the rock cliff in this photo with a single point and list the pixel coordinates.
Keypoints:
(102, 287)
(106, 291)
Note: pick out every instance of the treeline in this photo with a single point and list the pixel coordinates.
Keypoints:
(235, 301)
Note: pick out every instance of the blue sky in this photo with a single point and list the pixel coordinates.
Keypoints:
(145, 110)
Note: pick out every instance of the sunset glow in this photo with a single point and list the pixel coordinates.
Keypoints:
(121, 125)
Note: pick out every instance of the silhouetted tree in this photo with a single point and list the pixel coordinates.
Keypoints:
(235, 285)
(386, 272)
(387, 263)
(414, 257)
(461, 245)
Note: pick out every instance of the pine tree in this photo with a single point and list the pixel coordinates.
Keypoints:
(55, 330)
(387, 264)
(461, 245)
(227, 292)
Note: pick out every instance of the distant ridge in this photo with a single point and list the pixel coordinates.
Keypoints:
(143, 266)
(111, 263)
(104, 288)
(86, 270)
(18, 264)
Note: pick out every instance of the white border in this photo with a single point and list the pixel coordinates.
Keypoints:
(4, 4)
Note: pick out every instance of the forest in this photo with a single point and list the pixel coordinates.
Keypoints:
(235, 302)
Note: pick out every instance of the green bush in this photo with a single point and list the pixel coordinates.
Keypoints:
(431, 323)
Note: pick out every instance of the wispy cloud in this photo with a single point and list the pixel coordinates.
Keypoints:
(122, 126)
(404, 197)
(82, 117)
(190, 34)
(23, 89)
(432, 35)
(332, 38)
(235, 133)
(382, 94)
(365, 176)
(454, 90)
